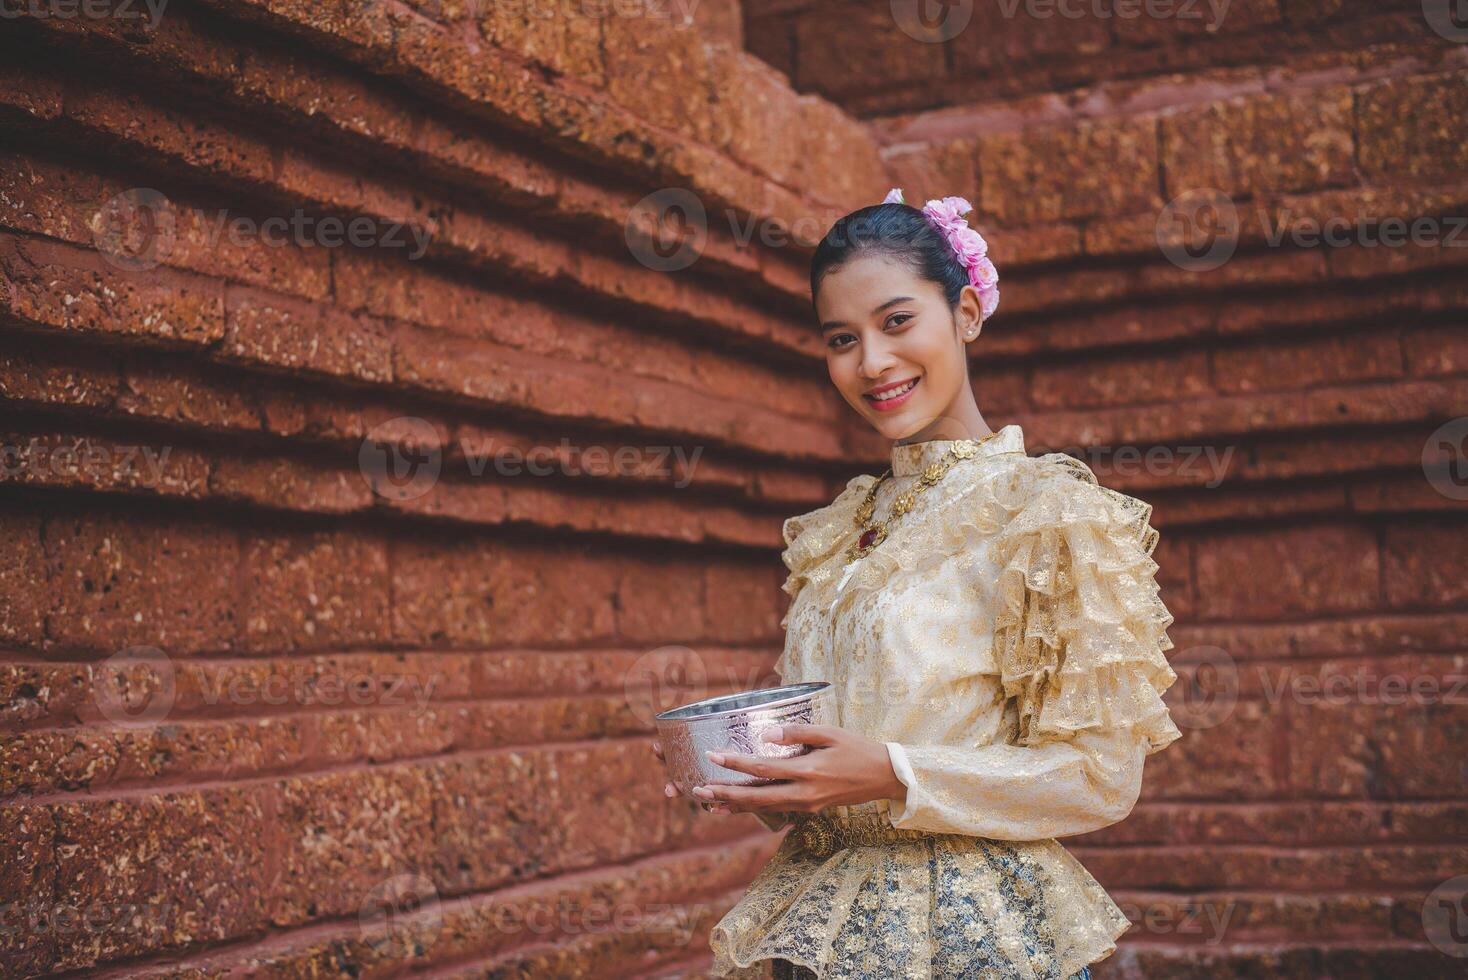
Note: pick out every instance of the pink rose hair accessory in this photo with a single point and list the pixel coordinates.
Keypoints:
(947, 217)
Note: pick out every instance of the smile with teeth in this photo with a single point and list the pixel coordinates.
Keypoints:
(894, 392)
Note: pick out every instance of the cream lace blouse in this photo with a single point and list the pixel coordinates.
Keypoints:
(1006, 642)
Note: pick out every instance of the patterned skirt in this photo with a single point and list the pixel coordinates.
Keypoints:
(785, 970)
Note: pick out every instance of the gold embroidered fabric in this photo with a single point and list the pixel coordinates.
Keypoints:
(1006, 643)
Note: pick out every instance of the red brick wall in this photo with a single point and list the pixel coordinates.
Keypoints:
(363, 694)
(246, 699)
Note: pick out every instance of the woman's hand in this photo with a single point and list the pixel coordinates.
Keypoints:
(842, 768)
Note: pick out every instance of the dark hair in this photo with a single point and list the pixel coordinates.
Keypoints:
(896, 230)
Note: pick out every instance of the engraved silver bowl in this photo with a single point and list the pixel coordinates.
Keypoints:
(737, 723)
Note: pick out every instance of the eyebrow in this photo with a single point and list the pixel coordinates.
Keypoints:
(832, 324)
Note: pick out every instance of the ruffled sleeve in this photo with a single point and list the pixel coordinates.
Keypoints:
(810, 538)
(1078, 636)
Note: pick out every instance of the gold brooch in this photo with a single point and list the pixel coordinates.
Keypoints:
(816, 836)
(874, 531)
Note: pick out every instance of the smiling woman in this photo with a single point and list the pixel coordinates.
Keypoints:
(990, 624)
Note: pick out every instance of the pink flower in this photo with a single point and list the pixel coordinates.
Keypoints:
(988, 302)
(969, 245)
(946, 216)
(948, 212)
(983, 274)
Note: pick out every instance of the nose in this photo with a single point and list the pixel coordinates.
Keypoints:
(876, 359)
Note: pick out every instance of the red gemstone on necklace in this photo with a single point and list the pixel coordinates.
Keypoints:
(865, 541)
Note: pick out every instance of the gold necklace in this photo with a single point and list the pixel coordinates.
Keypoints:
(874, 532)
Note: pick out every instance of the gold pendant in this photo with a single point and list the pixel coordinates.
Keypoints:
(868, 541)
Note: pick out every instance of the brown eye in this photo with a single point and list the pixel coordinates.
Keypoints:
(837, 346)
(899, 319)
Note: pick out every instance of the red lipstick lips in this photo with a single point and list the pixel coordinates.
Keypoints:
(889, 404)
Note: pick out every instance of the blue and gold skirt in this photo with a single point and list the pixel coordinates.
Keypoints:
(785, 970)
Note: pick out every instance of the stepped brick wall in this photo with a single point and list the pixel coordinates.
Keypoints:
(293, 679)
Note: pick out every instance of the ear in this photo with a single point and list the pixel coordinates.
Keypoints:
(969, 317)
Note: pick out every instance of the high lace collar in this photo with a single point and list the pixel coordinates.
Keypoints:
(914, 457)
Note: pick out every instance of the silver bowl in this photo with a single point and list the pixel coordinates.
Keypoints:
(737, 723)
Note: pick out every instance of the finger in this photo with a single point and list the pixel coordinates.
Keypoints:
(778, 796)
(803, 734)
(756, 765)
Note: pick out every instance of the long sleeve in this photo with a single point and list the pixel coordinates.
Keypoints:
(1015, 792)
(1078, 640)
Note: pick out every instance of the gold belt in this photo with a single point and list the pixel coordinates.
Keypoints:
(822, 835)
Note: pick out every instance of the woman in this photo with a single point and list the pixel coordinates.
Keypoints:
(991, 626)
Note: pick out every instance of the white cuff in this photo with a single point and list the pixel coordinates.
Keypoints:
(896, 810)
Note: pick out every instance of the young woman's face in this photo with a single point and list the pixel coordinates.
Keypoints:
(889, 332)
